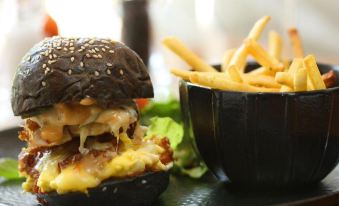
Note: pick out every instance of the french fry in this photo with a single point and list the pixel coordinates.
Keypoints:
(261, 80)
(233, 73)
(284, 78)
(286, 89)
(258, 27)
(295, 65)
(218, 82)
(310, 85)
(286, 63)
(296, 43)
(311, 65)
(300, 80)
(263, 58)
(227, 59)
(275, 44)
(187, 55)
(262, 71)
(181, 73)
(239, 57)
(329, 78)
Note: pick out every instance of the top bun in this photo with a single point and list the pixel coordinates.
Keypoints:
(67, 70)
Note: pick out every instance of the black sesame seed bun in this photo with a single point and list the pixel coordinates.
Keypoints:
(62, 69)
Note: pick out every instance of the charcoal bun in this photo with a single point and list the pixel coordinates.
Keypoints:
(136, 191)
(63, 70)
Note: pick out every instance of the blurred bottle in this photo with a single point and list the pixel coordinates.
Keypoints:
(136, 27)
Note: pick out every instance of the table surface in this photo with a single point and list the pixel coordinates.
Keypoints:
(187, 191)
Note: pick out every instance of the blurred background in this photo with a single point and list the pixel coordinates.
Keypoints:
(208, 27)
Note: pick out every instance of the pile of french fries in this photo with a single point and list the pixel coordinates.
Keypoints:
(276, 74)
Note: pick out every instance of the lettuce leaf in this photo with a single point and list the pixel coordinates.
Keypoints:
(170, 108)
(9, 169)
(166, 127)
(186, 161)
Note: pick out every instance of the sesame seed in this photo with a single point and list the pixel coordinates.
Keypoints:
(46, 53)
(44, 66)
(54, 55)
(72, 52)
(104, 41)
(69, 72)
(111, 51)
(86, 44)
(96, 49)
(43, 83)
(28, 58)
(59, 47)
(65, 49)
(88, 55)
(91, 42)
(99, 55)
(115, 190)
(109, 64)
(93, 50)
(107, 47)
(80, 50)
(96, 73)
(121, 72)
(103, 49)
(51, 61)
(50, 56)
(71, 44)
(95, 56)
(143, 181)
(72, 59)
(82, 47)
(108, 71)
(104, 189)
(71, 48)
(81, 64)
(90, 51)
(91, 86)
(47, 70)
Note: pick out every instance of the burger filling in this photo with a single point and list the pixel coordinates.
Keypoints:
(73, 147)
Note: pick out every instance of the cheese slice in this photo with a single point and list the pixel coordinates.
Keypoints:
(86, 174)
(65, 120)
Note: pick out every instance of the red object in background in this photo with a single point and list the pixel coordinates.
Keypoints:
(141, 103)
(50, 27)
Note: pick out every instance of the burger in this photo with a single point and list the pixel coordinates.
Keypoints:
(85, 144)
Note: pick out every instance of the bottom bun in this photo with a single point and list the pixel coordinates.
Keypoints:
(140, 190)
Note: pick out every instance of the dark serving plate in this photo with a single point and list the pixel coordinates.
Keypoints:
(264, 140)
(189, 192)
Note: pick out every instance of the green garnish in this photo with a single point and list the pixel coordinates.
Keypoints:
(166, 127)
(164, 118)
(9, 169)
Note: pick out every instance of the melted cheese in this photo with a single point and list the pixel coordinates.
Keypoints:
(82, 121)
(86, 175)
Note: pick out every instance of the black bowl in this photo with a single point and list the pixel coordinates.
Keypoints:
(264, 139)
